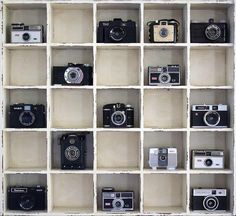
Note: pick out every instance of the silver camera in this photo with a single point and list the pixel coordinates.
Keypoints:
(163, 158)
(208, 159)
(21, 33)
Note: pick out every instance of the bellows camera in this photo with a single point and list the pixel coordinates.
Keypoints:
(116, 31)
(118, 115)
(210, 200)
(163, 158)
(21, 33)
(27, 116)
(210, 116)
(209, 32)
(27, 198)
(73, 74)
(117, 201)
(163, 31)
(207, 159)
(168, 75)
(73, 149)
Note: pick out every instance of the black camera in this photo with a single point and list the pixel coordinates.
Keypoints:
(73, 74)
(27, 198)
(73, 150)
(163, 31)
(27, 116)
(209, 32)
(118, 115)
(116, 31)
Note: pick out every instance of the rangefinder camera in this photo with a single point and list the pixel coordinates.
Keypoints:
(207, 159)
(163, 31)
(160, 76)
(117, 201)
(204, 116)
(21, 33)
(163, 158)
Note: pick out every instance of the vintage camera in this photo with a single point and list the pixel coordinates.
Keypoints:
(116, 31)
(210, 199)
(21, 33)
(208, 159)
(116, 200)
(73, 74)
(210, 116)
(73, 151)
(209, 32)
(26, 198)
(163, 31)
(168, 75)
(27, 116)
(163, 158)
(118, 115)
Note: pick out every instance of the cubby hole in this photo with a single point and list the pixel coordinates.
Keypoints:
(165, 108)
(56, 149)
(153, 12)
(29, 14)
(219, 12)
(120, 182)
(118, 66)
(26, 151)
(18, 70)
(165, 140)
(72, 23)
(126, 96)
(125, 144)
(27, 96)
(163, 57)
(211, 66)
(170, 187)
(212, 97)
(214, 141)
(72, 193)
(72, 108)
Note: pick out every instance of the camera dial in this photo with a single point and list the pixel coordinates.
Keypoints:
(26, 202)
(73, 75)
(27, 118)
(163, 32)
(208, 162)
(26, 36)
(164, 78)
(117, 33)
(72, 153)
(118, 203)
(118, 118)
(210, 203)
(212, 32)
(211, 118)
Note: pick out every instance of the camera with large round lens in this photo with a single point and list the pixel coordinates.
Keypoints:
(213, 32)
(27, 118)
(117, 33)
(212, 118)
(211, 203)
(118, 118)
(164, 78)
(72, 153)
(73, 75)
(208, 162)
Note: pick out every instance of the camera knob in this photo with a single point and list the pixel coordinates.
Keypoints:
(211, 20)
(128, 106)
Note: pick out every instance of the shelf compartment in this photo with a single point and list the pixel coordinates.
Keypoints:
(72, 108)
(120, 182)
(25, 151)
(118, 66)
(164, 140)
(72, 23)
(72, 193)
(170, 187)
(56, 151)
(126, 144)
(170, 108)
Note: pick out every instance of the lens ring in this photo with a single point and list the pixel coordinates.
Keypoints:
(72, 153)
(210, 115)
(26, 36)
(212, 32)
(164, 78)
(208, 162)
(207, 203)
(117, 33)
(26, 202)
(162, 157)
(163, 32)
(73, 75)
(115, 120)
(24, 118)
(120, 201)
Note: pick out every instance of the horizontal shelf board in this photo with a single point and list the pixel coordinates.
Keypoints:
(118, 129)
(212, 87)
(25, 87)
(117, 45)
(215, 171)
(24, 129)
(211, 45)
(118, 170)
(59, 171)
(70, 87)
(99, 212)
(199, 213)
(165, 45)
(165, 129)
(21, 213)
(163, 210)
(72, 210)
(212, 129)
(71, 45)
(164, 171)
(118, 87)
(26, 45)
(71, 129)
(25, 170)
(165, 87)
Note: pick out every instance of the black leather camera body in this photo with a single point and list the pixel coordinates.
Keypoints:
(73, 74)
(27, 198)
(73, 151)
(27, 116)
(116, 31)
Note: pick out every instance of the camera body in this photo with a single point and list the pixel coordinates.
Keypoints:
(163, 158)
(210, 200)
(27, 198)
(163, 31)
(207, 159)
(73, 74)
(168, 75)
(21, 33)
(73, 151)
(117, 201)
(116, 31)
(205, 116)
(118, 115)
(27, 116)
(209, 32)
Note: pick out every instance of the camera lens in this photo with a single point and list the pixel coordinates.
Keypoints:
(162, 157)
(212, 32)
(27, 118)
(163, 32)
(118, 204)
(210, 203)
(208, 162)
(26, 202)
(164, 78)
(72, 153)
(117, 34)
(211, 118)
(118, 118)
(73, 75)
(26, 36)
